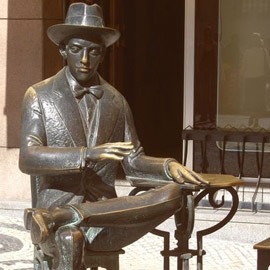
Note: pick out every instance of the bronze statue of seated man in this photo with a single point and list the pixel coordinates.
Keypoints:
(76, 129)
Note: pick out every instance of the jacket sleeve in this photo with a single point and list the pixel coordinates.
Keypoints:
(137, 163)
(36, 158)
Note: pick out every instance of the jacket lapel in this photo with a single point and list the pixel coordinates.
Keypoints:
(108, 112)
(67, 108)
(106, 118)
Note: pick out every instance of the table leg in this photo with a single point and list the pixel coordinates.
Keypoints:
(211, 192)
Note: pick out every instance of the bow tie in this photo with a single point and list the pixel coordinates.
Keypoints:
(95, 90)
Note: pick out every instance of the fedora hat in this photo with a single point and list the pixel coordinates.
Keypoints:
(86, 22)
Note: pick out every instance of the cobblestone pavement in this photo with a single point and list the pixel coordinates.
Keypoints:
(16, 251)
(225, 255)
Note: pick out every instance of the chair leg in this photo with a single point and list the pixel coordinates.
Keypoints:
(114, 265)
(41, 261)
(107, 261)
(263, 260)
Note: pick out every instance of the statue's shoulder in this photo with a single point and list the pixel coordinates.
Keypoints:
(42, 84)
(108, 87)
(49, 82)
(110, 91)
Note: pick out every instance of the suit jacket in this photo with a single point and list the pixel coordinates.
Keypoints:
(53, 139)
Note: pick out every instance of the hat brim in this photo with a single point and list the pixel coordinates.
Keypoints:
(102, 35)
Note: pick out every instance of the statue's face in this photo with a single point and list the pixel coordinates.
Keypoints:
(83, 58)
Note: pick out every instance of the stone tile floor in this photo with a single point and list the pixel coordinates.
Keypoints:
(16, 251)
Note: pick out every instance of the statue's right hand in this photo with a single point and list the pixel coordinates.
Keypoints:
(113, 151)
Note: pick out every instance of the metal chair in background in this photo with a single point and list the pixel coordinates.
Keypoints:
(231, 144)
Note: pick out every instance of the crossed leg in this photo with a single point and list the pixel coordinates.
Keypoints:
(123, 221)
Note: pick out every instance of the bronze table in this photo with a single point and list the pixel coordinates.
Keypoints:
(185, 218)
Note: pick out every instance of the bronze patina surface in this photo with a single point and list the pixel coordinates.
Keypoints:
(76, 130)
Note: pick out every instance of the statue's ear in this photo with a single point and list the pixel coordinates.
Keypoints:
(63, 51)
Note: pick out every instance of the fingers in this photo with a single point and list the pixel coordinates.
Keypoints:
(120, 145)
(176, 174)
(115, 151)
(179, 179)
(111, 156)
(189, 177)
(201, 179)
(181, 174)
(119, 148)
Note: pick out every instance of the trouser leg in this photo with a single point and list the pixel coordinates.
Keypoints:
(124, 212)
(115, 238)
(140, 215)
(131, 210)
(135, 215)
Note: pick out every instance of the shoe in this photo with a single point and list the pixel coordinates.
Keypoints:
(41, 225)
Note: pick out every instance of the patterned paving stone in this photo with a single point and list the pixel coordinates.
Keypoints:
(16, 250)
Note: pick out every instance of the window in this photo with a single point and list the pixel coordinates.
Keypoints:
(244, 65)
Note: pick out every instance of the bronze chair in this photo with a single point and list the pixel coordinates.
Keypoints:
(92, 259)
(95, 259)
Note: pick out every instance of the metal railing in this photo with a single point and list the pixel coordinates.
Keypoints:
(245, 146)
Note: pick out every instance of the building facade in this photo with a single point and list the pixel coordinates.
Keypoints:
(178, 65)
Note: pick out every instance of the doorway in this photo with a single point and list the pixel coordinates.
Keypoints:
(150, 73)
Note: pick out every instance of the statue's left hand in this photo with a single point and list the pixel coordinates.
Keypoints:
(181, 174)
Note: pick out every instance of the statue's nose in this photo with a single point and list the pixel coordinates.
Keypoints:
(85, 57)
